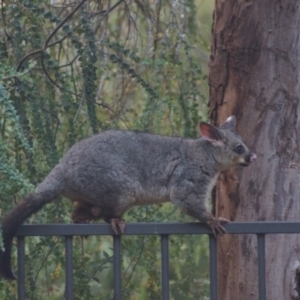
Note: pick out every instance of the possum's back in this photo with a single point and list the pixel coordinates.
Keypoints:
(115, 161)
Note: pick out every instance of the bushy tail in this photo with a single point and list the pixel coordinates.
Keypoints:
(33, 202)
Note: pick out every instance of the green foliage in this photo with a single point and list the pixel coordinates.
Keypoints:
(142, 66)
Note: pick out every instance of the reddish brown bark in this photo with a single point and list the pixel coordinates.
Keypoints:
(254, 74)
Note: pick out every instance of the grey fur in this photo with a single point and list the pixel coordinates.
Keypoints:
(110, 172)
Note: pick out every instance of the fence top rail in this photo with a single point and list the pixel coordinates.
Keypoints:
(157, 228)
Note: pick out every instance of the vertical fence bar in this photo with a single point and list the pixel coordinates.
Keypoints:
(213, 267)
(117, 268)
(165, 266)
(69, 267)
(261, 266)
(21, 268)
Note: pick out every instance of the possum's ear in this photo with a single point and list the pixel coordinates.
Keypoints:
(209, 132)
(229, 124)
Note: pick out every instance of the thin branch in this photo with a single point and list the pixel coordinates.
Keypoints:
(42, 264)
(70, 63)
(72, 93)
(69, 16)
(157, 16)
(51, 35)
(27, 56)
(46, 45)
(106, 11)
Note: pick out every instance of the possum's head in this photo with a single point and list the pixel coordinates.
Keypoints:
(228, 147)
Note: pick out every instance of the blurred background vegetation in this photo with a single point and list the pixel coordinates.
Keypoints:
(69, 69)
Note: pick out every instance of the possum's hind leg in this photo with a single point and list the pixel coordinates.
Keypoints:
(117, 224)
(85, 212)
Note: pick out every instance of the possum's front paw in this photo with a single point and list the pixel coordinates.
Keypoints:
(216, 225)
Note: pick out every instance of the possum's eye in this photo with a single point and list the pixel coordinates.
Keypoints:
(239, 149)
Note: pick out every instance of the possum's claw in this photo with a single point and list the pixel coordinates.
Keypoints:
(216, 226)
(117, 225)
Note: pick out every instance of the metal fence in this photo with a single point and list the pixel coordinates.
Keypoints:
(162, 229)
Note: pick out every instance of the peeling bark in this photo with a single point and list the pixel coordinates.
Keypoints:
(254, 74)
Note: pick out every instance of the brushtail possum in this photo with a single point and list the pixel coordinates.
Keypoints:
(108, 173)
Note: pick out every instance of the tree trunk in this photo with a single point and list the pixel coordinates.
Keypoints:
(254, 74)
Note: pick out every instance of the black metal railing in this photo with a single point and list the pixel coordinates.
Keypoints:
(162, 229)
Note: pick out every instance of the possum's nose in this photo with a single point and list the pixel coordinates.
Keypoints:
(247, 160)
(253, 157)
